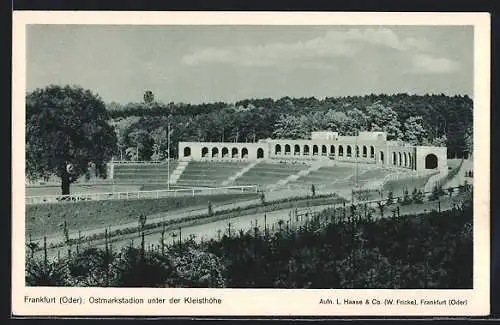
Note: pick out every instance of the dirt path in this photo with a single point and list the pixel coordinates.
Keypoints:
(460, 178)
(207, 229)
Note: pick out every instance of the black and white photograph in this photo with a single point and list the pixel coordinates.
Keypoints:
(251, 156)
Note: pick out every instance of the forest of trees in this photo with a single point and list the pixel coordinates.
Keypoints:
(423, 120)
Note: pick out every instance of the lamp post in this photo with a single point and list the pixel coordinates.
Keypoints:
(356, 153)
(137, 152)
(168, 155)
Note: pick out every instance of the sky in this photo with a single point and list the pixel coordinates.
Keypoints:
(195, 64)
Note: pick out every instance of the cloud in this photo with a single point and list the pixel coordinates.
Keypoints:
(425, 63)
(332, 44)
(382, 37)
(319, 66)
(269, 54)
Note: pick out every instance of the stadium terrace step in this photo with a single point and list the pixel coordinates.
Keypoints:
(266, 174)
(142, 173)
(315, 166)
(174, 177)
(325, 174)
(208, 173)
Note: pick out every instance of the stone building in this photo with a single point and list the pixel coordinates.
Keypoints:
(367, 147)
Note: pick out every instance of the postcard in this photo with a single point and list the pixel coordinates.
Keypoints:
(250, 164)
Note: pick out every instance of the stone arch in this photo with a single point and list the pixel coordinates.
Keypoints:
(234, 152)
(204, 152)
(225, 152)
(287, 149)
(357, 151)
(332, 150)
(244, 152)
(277, 149)
(306, 150)
(215, 152)
(381, 156)
(399, 158)
(315, 150)
(394, 159)
(296, 149)
(431, 161)
(372, 152)
(323, 150)
(348, 151)
(260, 153)
(187, 151)
(405, 157)
(410, 161)
(364, 151)
(341, 150)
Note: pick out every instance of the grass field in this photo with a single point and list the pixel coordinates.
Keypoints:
(47, 219)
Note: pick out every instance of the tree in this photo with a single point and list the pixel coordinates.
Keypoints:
(440, 141)
(384, 118)
(159, 137)
(469, 145)
(290, 127)
(414, 130)
(123, 126)
(141, 142)
(356, 120)
(66, 128)
(336, 120)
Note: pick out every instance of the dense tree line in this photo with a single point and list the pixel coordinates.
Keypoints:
(337, 248)
(423, 120)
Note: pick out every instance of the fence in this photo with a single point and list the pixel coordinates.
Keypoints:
(139, 194)
(139, 162)
(298, 214)
(307, 213)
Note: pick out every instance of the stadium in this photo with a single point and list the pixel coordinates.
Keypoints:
(327, 159)
(216, 188)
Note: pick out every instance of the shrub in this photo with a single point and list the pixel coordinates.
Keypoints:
(335, 248)
(437, 192)
(390, 198)
(406, 198)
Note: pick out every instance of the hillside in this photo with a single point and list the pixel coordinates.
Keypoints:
(422, 120)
